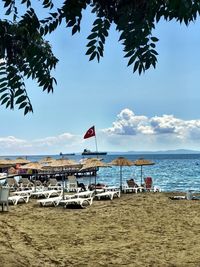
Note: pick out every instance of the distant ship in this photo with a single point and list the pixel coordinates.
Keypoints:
(67, 154)
(88, 152)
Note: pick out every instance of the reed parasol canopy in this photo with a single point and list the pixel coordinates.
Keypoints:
(143, 162)
(94, 163)
(32, 166)
(21, 160)
(121, 161)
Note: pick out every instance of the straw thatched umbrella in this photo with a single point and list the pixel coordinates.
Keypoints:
(4, 163)
(94, 163)
(143, 162)
(32, 166)
(62, 163)
(121, 161)
(21, 160)
(46, 160)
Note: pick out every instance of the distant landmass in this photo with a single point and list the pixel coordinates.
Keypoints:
(175, 151)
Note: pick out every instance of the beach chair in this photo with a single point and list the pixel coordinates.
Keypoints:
(72, 184)
(53, 184)
(46, 193)
(14, 199)
(4, 194)
(50, 201)
(11, 183)
(77, 202)
(148, 184)
(131, 187)
(85, 194)
(25, 183)
(108, 194)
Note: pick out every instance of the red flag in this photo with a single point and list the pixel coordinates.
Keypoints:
(90, 133)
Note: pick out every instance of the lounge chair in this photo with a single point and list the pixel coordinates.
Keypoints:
(86, 194)
(72, 184)
(46, 193)
(131, 187)
(54, 184)
(11, 183)
(148, 186)
(18, 198)
(25, 183)
(79, 201)
(4, 194)
(108, 194)
(50, 201)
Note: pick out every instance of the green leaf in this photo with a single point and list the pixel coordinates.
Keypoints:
(26, 110)
(152, 45)
(154, 52)
(90, 50)
(92, 36)
(22, 105)
(97, 21)
(3, 80)
(19, 92)
(75, 29)
(5, 100)
(3, 84)
(136, 66)
(21, 99)
(154, 39)
(91, 43)
(4, 95)
(4, 89)
(8, 104)
(93, 55)
(100, 50)
(132, 59)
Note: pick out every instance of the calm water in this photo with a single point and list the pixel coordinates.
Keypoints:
(170, 172)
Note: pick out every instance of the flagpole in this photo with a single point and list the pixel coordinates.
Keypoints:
(96, 144)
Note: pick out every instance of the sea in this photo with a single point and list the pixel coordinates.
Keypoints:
(171, 172)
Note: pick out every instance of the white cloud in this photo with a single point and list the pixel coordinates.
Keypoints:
(65, 143)
(127, 123)
(128, 132)
(164, 131)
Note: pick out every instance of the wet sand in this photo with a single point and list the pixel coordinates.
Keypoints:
(145, 229)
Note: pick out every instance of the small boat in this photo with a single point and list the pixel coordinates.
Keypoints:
(89, 152)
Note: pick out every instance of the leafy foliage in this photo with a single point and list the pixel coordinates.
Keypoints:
(24, 53)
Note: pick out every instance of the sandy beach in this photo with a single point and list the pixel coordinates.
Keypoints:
(145, 229)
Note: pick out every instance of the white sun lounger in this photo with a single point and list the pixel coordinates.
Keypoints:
(109, 194)
(82, 202)
(23, 192)
(86, 194)
(50, 201)
(46, 193)
(127, 189)
(15, 199)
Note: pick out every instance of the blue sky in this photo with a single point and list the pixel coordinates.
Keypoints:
(155, 111)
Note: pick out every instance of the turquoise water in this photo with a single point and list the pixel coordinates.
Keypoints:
(170, 172)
